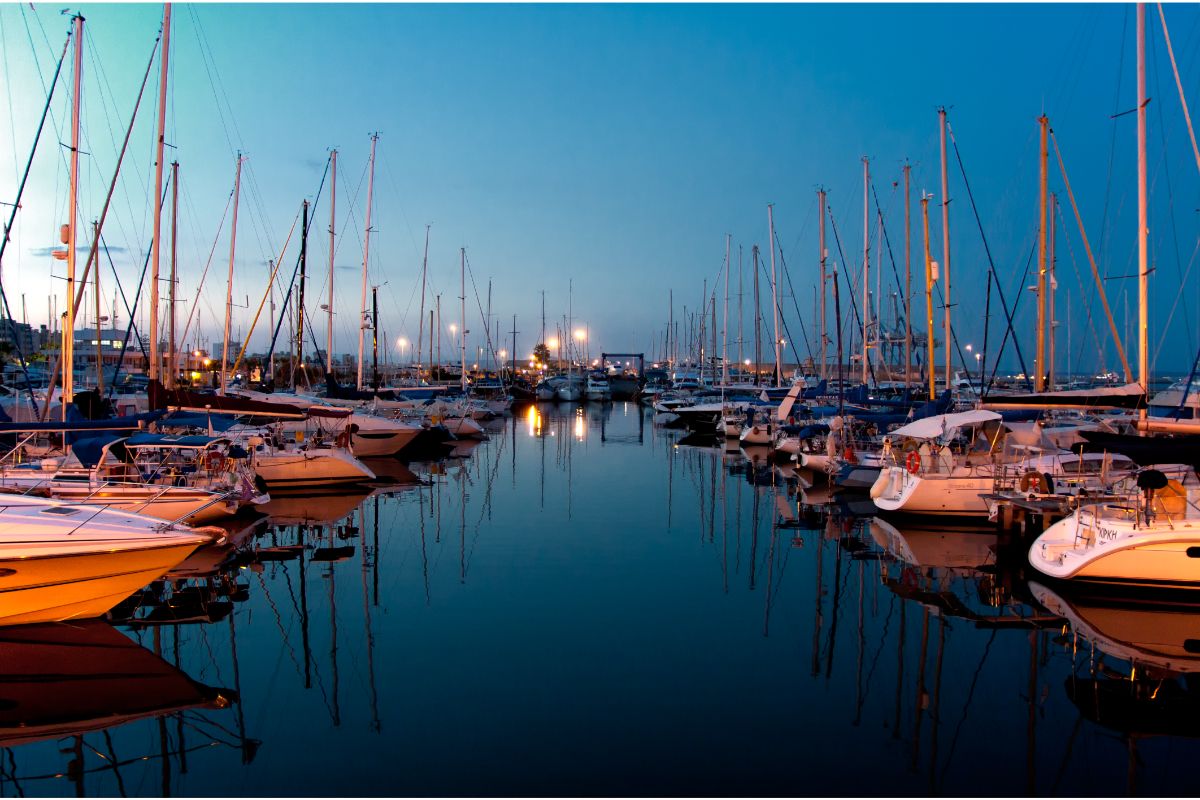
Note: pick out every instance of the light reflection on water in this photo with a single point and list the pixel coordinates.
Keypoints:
(587, 604)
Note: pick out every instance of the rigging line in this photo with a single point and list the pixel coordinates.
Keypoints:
(991, 263)
(208, 263)
(13, 214)
(1009, 330)
(1088, 249)
(288, 297)
(850, 289)
(136, 298)
(891, 256)
(1178, 297)
(1079, 279)
(1179, 85)
(246, 342)
(1166, 173)
(12, 117)
(795, 305)
(121, 290)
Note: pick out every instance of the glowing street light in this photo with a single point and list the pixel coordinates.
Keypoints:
(580, 334)
(552, 344)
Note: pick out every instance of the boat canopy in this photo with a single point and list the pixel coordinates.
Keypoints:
(934, 427)
(187, 441)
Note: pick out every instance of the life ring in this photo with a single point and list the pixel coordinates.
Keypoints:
(912, 462)
(213, 460)
(848, 455)
(1034, 481)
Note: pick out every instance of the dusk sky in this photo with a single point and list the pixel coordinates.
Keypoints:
(614, 146)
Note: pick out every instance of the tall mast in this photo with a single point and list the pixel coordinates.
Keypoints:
(172, 375)
(421, 316)
(739, 339)
(439, 339)
(945, 272)
(907, 275)
(757, 315)
(155, 349)
(929, 279)
(362, 306)
(462, 284)
(99, 346)
(68, 330)
(1039, 381)
(329, 308)
(296, 366)
(1052, 284)
(1143, 274)
(725, 324)
(237, 190)
(866, 304)
(774, 294)
(375, 338)
(822, 256)
(670, 323)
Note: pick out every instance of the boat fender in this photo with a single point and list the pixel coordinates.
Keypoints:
(882, 486)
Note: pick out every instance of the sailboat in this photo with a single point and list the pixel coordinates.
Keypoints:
(1149, 538)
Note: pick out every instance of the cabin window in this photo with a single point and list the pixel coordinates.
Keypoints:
(66, 512)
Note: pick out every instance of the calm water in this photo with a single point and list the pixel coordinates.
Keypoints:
(584, 604)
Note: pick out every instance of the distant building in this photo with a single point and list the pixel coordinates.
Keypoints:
(19, 337)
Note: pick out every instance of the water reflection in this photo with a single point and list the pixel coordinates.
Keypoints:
(584, 582)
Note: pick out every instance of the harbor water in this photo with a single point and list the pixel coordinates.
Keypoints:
(587, 604)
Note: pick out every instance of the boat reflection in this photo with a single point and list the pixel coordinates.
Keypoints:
(67, 680)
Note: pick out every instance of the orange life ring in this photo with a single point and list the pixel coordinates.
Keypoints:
(849, 457)
(912, 462)
(213, 460)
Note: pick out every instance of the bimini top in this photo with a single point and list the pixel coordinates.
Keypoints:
(933, 427)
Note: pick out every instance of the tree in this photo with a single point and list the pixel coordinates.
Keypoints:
(541, 353)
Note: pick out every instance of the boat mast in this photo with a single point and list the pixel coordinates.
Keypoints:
(866, 304)
(1052, 285)
(945, 271)
(774, 293)
(1039, 381)
(1143, 274)
(68, 331)
(725, 325)
(929, 279)
(99, 346)
(757, 316)
(375, 339)
(462, 284)
(821, 255)
(362, 306)
(740, 329)
(329, 308)
(421, 316)
(155, 349)
(907, 274)
(297, 364)
(172, 375)
(237, 187)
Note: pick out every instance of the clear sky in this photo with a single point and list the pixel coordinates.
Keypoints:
(612, 147)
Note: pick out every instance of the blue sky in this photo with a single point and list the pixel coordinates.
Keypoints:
(613, 147)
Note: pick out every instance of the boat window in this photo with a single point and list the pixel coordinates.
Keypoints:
(63, 510)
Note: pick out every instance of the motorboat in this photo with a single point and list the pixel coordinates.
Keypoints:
(597, 388)
(61, 561)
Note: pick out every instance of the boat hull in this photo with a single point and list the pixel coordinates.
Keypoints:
(55, 588)
(1114, 551)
